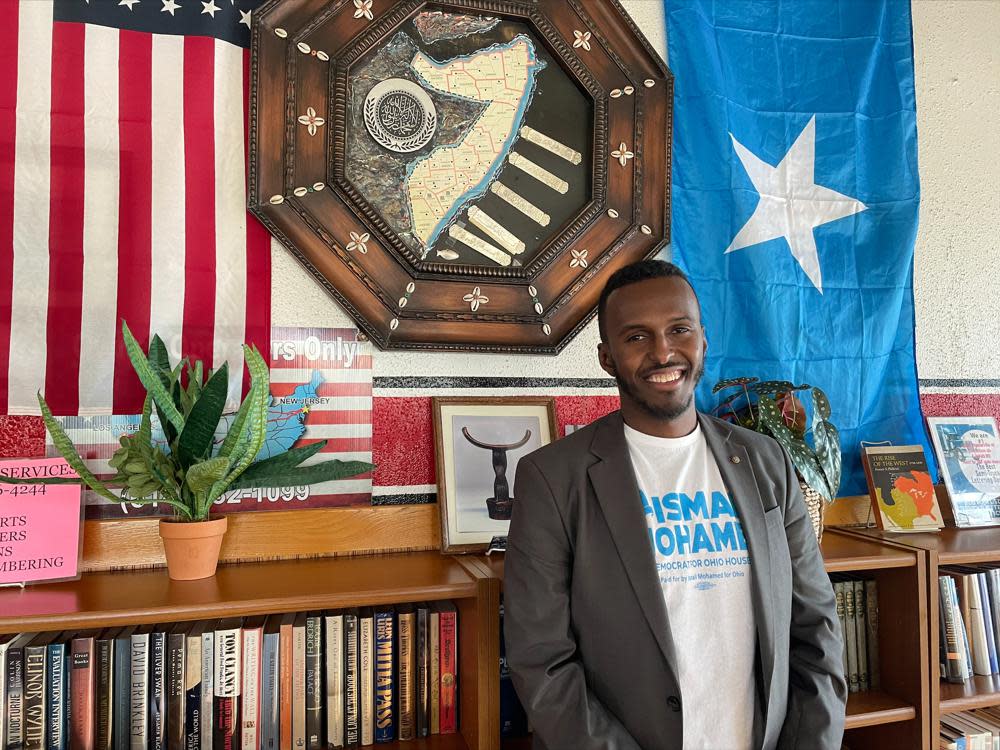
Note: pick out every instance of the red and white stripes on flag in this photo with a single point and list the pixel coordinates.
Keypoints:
(122, 196)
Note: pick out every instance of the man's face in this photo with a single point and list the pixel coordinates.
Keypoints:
(656, 352)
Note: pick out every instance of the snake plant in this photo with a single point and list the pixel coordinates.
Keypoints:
(772, 408)
(190, 472)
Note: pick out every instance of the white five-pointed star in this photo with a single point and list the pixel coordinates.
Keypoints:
(169, 6)
(128, 3)
(791, 203)
(245, 18)
(211, 8)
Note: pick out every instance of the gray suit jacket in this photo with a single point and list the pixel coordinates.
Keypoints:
(587, 632)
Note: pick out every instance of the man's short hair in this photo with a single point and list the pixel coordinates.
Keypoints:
(633, 273)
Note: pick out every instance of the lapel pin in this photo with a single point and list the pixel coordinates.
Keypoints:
(734, 459)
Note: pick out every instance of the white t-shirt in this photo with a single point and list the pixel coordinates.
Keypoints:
(704, 569)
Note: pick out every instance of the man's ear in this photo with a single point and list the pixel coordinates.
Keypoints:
(604, 358)
(704, 342)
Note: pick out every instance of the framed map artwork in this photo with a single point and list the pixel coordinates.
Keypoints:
(461, 175)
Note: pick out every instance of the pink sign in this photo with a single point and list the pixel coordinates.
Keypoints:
(39, 523)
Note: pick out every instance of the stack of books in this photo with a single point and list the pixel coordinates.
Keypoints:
(970, 730)
(296, 681)
(969, 615)
(857, 608)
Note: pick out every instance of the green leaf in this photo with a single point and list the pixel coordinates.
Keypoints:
(68, 451)
(821, 404)
(802, 456)
(827, 440)
(151, 380)
(284, 461)
(732, 382)
(322, 472)
(238, 427)
(773, 387)
(195, 441)
(159, 360)
(203, 475)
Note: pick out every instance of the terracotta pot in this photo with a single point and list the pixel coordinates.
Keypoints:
(192, 547)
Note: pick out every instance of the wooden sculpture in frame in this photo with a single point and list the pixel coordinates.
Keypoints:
(460, 175)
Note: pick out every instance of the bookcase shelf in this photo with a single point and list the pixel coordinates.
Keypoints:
(873, 707)
(979, 692)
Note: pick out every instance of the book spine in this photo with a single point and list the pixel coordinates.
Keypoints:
(851, 636)
(384, 706)
(977, 624)
(434, 678)
(838, 593)
(207, 728)
(157, 690)
(34, 697)
(871, 626)
(192, 711)
(861, 628)
(314, 683)
(406, 677)
(82, 689)
(104, 698)
(176, 696)
(366, 675)
(227, 684)
(14, 709)
(352, 735)
(423, 673)
(984, 603)
(285, 664)
(250, 713)
(138, 693)
(993, 586)
(299, 688)
(121, 715)
(56, 698)
(335, 680)
(269, 693)
(954, 661)
(449, 672)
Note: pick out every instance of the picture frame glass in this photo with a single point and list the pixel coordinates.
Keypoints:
(968, 449)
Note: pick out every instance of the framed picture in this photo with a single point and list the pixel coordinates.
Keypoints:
(479, 442)
(460, 175)
(968, 450)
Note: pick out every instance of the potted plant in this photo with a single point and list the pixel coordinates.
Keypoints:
(190, 471)
(772, 408)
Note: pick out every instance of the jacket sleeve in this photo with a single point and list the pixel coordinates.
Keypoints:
(817, 691)
(541, 646)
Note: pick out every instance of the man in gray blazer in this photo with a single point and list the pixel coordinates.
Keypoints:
(663, 586)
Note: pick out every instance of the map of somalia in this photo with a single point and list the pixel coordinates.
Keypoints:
(503, 77)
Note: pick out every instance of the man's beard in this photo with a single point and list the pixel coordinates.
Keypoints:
(666, 413)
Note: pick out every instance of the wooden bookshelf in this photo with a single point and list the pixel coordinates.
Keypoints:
(110, 599)
(950, 546)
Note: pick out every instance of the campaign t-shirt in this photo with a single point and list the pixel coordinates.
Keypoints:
(704, 570)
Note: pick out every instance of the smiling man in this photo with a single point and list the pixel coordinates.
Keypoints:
(663, 587)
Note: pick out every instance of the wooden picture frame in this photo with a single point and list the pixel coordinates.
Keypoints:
(510, 258)
(478, 442)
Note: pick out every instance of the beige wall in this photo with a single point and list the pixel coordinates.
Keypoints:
(956, 281)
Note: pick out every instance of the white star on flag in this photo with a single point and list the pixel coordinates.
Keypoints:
(791, 203)
(128, 3)
(245, 17)
(211, 8)
(169, 6)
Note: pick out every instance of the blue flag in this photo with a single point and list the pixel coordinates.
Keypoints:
(795, 195)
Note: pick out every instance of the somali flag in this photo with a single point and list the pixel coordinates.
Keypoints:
(795, 195)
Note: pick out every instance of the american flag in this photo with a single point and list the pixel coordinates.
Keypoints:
(123, 196)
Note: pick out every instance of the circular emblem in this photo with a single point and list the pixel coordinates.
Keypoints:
(400, 115)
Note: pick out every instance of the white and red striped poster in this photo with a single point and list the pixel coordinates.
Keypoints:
(122, 196)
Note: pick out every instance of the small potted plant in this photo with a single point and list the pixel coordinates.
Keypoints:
(189, 470)
(771, 407)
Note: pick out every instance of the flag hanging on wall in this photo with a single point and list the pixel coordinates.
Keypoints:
(122, 196)
(795, 196)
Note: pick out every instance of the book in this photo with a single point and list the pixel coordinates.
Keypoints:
(35, 679)
(861, 630)
(434, 678)
(121, 717)
(449, 667)
(157, 702)
(385, 710)
(352, 716)
(207, 713)
(333, 624)
(838, 594)
(82, 690)
(253, 634)
(984, 604)
(176, 702)
(193, 710)
(57, 698)
(269, 688)
(299, 682)
(901, 489)
(993, 587)
(227, 684)
(13, 714)
(285, 684)
(968, 451)
(977, 627)
(406, 671)
(139, 689)
(871, 625)
(104, 703)
(851, 636)
(422, 643)
(366, 675)
(315, 735)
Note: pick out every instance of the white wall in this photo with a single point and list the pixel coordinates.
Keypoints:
(956, 281)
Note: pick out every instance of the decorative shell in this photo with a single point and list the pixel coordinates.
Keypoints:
(304, 48)
(644, 228)
(317, 186)
(546, 329)
(538, 308)
(276, 200)
(280, 32)
(300, 191)
(394, 324)
(402, 302)
(612, 213)
(410, 287)
(649, 83)
(322, 56)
